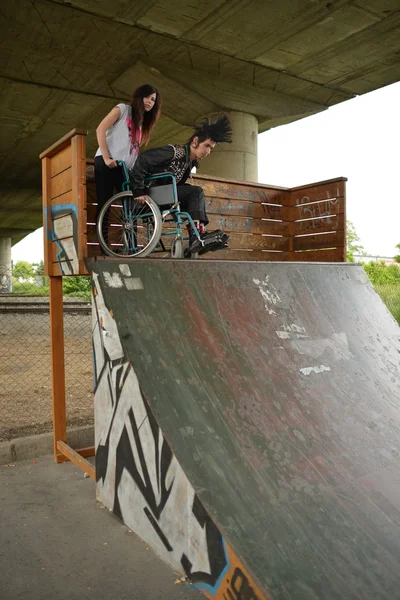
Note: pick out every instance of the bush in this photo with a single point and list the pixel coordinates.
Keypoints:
(386, 281)
(379, 272)
(39, 287)
(77, 287)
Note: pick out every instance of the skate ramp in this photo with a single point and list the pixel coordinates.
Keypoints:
(277, 389)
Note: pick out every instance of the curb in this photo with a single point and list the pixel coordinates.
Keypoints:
(38, 445)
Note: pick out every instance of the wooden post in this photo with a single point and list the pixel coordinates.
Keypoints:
(290, 201)
(57, 364)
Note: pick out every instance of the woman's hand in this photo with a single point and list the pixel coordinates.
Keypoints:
(143, 199)
(111, 164)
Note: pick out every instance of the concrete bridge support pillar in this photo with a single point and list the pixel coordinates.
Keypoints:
(5, 264)
(239, 159)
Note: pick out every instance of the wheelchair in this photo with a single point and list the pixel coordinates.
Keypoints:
(130, 229)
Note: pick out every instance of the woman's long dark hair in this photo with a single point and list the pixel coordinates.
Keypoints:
(141, 118)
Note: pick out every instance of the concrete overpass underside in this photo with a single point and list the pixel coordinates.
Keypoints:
(66, 64)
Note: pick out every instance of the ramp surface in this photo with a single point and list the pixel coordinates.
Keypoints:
(277, 386)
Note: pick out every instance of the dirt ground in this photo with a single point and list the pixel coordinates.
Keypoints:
(25, 376)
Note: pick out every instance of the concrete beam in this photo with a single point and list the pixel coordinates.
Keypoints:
(180, 102)
(236, 95)
(5, 265)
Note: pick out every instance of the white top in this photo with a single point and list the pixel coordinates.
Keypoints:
(122, 139)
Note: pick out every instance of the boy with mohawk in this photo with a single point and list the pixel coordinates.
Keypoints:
(180, 160)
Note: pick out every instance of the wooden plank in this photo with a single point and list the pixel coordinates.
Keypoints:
(245, 193)
(77, 459)
(65, 266)
(91, 191)
(91, 234)
(61, 184)
(93, 250)
(316, 192)
(200, 179)
(220, 206)
(333, 255)
(63, 229)
(318, 183)
(57, 362)
(272, 211)
(64, 199)
(79, 194)
(316, 210)
(91, 211)
(324, 240)
(62, 143)
(228, 224)
(245, 255)
(224, 206)
(331, 223)
(247, 225)
(239, 241)
(61, 161)
(85, 452)
(47, 224)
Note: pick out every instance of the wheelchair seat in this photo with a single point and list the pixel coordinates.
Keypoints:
(163, 195)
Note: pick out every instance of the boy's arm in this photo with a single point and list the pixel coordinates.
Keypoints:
(147, 164)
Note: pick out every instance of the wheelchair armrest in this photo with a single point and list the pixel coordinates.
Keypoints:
(161, 176)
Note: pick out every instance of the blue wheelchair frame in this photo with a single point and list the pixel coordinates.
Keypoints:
(180, 218)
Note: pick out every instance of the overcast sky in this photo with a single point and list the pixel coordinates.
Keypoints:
(358, 139)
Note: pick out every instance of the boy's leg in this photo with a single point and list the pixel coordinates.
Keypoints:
(192, 201)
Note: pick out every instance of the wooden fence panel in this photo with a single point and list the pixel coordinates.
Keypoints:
(264, 222)
(64, 199)
(324, 190)
(319, 221)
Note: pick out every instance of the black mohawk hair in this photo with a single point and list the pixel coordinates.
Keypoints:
(217, 127)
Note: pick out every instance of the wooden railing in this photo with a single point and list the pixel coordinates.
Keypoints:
(265, 222)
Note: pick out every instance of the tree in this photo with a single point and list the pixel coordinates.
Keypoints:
(353, 245)
(39, 268)
(23, 270)
(397, 258)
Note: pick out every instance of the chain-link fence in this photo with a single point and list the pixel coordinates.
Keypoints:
(385, 277)
(25, 369)
(390, 294)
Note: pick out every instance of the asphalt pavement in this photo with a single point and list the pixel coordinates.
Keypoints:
(58, 542)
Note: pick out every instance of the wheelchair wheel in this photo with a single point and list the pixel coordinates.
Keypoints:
(127, 228)
(177, 248)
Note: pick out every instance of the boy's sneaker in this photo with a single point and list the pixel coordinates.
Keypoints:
(209, 242)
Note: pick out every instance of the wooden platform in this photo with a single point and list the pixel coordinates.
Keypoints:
(305, 223)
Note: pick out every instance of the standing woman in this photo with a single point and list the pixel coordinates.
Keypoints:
(120, 135)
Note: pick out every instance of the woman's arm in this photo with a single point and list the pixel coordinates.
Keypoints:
(105, 124)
